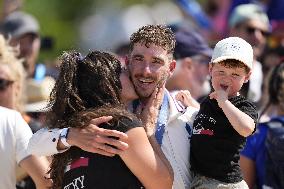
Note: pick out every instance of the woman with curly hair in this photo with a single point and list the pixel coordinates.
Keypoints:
(89, 88)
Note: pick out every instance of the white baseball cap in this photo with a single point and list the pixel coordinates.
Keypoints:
(233, 48)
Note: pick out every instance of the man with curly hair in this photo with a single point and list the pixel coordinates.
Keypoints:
(150, 62)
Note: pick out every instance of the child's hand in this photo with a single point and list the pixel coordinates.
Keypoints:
(186, 99)
(220, 95)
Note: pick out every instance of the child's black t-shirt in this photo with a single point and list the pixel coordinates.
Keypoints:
(215, 144)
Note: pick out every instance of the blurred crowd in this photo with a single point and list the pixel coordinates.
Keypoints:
(25, 84)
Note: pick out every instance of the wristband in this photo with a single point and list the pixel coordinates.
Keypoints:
(63, 137)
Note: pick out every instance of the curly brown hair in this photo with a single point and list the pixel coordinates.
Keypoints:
(159, 35)
(84, 83)
(86, 88)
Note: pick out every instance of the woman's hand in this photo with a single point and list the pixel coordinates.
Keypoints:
(149, 113)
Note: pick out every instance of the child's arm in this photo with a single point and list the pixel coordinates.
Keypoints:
(186, 99)
(240, 121)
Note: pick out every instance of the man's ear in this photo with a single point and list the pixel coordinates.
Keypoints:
(247, 77)
(172, 66)
(126, 61)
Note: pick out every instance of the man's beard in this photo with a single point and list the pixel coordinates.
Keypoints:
(159, 84)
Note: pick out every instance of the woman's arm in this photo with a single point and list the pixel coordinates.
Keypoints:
(144, 162)
(46, 142)
(153, 168)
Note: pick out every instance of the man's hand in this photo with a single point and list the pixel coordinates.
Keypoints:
(97, 140)
(186, 99)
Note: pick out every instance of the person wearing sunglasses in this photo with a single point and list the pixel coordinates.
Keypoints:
(12, 76)
(14, 131)
(250, 22)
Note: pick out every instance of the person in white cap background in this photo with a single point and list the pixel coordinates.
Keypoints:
(250, 22)
(224, 120)
(23, 30)
(37, 93)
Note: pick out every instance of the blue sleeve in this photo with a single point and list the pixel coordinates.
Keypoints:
(250, 148)
(254, 143)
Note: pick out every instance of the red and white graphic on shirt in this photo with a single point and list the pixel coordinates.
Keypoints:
(81, 162)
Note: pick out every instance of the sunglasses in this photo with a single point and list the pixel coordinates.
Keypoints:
(251, 30)
(4, 84)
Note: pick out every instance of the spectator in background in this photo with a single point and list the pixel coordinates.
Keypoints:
(271, 57)
(251, 23)
(274, 8)
(13, 95)
(192, 54)
(23, 29)
(14, 138)
(12, 77)
(38, 93)
(15, 133)
(254, 156)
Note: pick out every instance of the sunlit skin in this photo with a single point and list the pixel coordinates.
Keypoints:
(149, 67)
(229, 80)
(128, 93)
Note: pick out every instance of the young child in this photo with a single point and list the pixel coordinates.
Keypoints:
(224, 120)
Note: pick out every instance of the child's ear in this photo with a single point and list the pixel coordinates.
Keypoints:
(247, 77)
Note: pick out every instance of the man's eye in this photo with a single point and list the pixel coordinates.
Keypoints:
(157, 62)
(138, 58)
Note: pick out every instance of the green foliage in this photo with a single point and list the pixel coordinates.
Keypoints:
(59, 20)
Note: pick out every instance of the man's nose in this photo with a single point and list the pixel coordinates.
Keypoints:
(146, 69)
